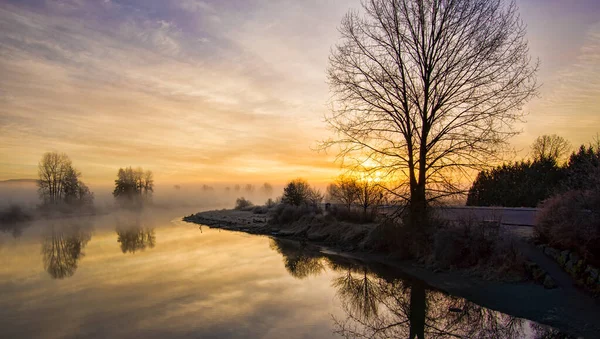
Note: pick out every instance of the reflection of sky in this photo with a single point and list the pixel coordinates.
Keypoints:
(209, 284)
(227, 89)
(193, 283)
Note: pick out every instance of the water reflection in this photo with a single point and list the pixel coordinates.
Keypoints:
(379, 304)
(62, 248)
(297, 259)
(133, 236)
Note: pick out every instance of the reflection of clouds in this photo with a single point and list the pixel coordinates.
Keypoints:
(199, 285)
(62, 248)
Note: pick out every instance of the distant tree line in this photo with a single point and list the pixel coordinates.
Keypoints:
(528, 183)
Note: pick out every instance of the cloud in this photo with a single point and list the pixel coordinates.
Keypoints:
(128, 89)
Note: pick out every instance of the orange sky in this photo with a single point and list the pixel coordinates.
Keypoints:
(225, 91)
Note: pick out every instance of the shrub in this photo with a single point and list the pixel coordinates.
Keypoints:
(352, 215)
(571, 221)
(242, 204)
(14, 214)
(270, 203)
(470, 243)
(286, 214)
(298, 192)
(260, 210)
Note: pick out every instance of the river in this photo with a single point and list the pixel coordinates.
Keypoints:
(150, 275)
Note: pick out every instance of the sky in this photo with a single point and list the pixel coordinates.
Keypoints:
(226, 91)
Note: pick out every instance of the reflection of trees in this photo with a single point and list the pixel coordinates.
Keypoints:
(359, 291)
(134, 237)
(62, 248)
(398, 309)
(298, 260)
(379, 305)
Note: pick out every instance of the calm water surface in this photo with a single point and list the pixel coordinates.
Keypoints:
(149, 275)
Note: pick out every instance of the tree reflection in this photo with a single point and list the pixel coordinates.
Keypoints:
(399, 309)
(133, 237)
(299, 261)
(62, 248)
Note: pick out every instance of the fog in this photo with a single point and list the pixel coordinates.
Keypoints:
(24, 193)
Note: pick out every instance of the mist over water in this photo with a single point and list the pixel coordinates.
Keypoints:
(131, 274)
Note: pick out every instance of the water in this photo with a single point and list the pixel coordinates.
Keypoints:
(151, 276)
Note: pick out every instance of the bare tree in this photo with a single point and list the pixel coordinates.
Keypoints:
(59, 181)
(551, 147)
(426, 90)
(370, 195)
(52, 171)
(344, 190)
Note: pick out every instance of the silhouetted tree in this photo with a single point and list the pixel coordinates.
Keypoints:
(134, 185)
(370, 195)
(427, 89)
(344, 190)
(59, 181)
(298, 192)
(583, 169)
(522, 184)
(550, 147)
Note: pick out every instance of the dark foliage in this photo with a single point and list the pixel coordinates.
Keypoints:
(286, 214)
(342, 213)
(299, 193)
(243, 204)
(572, 221)
(522, 184)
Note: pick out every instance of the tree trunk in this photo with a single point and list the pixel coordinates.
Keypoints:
(418, 311)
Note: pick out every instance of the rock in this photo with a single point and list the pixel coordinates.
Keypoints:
(552, 253)
(563, 258)
(574, 257)
(570, 268)
(535, 271)
(592, 272)
(549, 283)
(542, 247)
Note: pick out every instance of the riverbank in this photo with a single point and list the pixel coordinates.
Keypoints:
(567, 309)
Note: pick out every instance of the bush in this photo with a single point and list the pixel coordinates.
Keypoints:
(270, 203)
(14, 214)
(260, 210)
(298, 192)
(243, 204)
(470, 243)
(571, 221)
(352, 215)
(287, 214)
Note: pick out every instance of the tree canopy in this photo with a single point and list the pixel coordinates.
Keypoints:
(425, 90)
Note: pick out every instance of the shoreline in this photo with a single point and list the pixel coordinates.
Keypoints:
(568, 310)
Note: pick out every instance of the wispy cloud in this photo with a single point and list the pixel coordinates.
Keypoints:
(213, 90)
